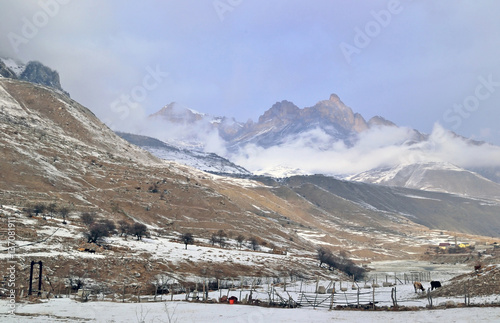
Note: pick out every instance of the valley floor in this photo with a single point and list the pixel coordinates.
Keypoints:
(178, 310)
(66, 310)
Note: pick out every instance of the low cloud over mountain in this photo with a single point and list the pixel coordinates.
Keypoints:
(328, 138)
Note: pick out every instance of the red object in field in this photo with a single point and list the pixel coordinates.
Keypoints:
(231, 301)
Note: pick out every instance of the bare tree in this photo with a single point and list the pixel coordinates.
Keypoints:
(324, 256)
(28, 210)
(187, 238)
(221, 236)
(214, 239)
(39, 208)
(124, 227)
(64, 212)
(96, 232)
(139, 230)
(109, 224)
(254, 243)
(88, 218)
(52, 208)
(240, 238)
(342, 263)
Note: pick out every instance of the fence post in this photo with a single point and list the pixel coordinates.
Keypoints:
(331, 302)
(465, 294)
(429, 297)
(357, 294)
(394, 297)
(373, 297)
(123, 294)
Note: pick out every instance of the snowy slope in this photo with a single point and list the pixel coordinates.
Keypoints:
(204, 161)
(438, 177)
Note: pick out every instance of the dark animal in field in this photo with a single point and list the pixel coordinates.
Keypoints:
(435, 284)
(417, 286)
(477, 267)
(86, 250)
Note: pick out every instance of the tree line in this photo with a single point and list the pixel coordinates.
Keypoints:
(97, 229)
(340, 262)
(52, 209)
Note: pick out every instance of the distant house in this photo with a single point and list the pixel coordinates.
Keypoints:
(444, 245)
(464, 245)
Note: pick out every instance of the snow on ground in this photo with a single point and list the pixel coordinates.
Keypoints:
(313, 237)
(70, 310)
(420, 197)
(15, 67)
(66, 310)
(163, 247)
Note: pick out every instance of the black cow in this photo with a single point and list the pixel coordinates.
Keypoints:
(435, 284)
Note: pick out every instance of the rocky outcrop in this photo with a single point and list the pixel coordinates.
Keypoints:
(36, 72)
(33, 72)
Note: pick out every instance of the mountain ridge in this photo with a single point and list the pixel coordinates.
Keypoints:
(322, 129)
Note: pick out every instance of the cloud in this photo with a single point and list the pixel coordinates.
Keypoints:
(374, 148)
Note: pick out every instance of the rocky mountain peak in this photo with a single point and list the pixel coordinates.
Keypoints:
(174, 112)
(335, 111)
(335, 98)
(284, 110)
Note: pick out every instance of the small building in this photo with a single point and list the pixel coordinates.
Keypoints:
(444, 245)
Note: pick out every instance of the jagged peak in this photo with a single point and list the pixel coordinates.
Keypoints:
(282, 110)
(334, 98)
(380, 121)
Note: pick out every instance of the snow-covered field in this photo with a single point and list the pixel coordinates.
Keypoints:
(65, 310)
(176, 309)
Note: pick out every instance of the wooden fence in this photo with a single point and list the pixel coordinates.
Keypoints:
(356, 299)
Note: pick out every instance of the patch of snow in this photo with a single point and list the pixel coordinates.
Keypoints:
(15, 67)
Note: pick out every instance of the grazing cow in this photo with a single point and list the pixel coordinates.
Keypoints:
(435, 284)
(417, 286)
(477, 267)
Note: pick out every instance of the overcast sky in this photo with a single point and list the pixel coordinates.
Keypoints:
(413, 62)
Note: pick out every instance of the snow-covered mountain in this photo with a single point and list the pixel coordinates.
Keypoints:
(329, 138)
(281, 123)
(432, 176)
(208, 162)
